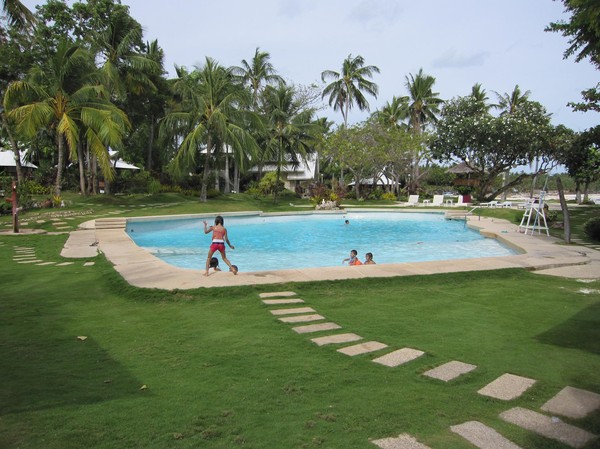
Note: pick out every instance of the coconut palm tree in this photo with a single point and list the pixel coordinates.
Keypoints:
(207, 118)
(479, 94)
(290, 128)
(257, 74)
(510, 102)
(348, 86)
(17, 14)
(394, 112)
(424, 105)
(62, 96)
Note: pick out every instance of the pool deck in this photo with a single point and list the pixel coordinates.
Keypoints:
(542, 254)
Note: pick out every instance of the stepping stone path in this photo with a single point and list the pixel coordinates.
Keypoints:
(507, 387)
(26, 255)
(291, 311)
(571, 402)
(403, 441)
(316, 328)
(399, 357)
(271, 302)
(336, 339)
(449, 371)
(363, 348)
(301, 318)
(548, 427)
(482, 436)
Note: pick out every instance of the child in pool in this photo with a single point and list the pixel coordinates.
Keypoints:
(219, 238)
(369, 259)
(353, 259)
(214, 264)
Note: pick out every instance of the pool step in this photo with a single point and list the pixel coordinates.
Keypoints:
(456, 215)
(111, 223)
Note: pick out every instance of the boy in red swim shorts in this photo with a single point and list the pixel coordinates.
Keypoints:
(219, 238)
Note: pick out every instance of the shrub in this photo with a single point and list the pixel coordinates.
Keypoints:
(388, 196)
(592, 228)
(268, 185)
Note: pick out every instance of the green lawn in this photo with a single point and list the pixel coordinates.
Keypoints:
(221, 372)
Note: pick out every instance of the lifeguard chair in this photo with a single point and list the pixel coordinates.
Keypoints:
(534, 218)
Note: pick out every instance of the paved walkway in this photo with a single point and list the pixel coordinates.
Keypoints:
(542, 254)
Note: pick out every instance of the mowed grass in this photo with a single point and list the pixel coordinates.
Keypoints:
(212, 368)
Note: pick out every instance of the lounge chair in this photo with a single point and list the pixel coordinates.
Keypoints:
(461, 201)
(438, 200)
(413, 200)
(489, 204)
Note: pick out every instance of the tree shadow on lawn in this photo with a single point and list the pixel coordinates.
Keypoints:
(41, 374)
(581, 331)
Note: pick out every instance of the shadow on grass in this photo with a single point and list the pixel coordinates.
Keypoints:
(41, 374)
(581, 331)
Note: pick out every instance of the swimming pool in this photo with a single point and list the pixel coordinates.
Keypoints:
(278, 242)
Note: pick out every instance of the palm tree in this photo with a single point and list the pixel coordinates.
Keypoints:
(256, 74)
(479, 94)
(290, 129)
(61, 96)
(208, 118)
(394, 112)
(348, 86)
(509, 103)
(17, 14)
(424, 105)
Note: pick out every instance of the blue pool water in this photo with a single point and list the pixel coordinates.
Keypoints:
(316, 240)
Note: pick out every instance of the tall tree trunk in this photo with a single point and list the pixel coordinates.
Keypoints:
(60, 164)
(88, 161)
(227, 188)
(204, 184)
(15, 148)
(80, 162)
(236, 177)
(95, 175)
(150, 144)
(578, 192)
(565, 211)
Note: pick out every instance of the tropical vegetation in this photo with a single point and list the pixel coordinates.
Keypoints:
(81, 89)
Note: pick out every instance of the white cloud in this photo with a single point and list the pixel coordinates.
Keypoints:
(452, 59)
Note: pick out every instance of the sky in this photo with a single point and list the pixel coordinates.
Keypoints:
(497, 43)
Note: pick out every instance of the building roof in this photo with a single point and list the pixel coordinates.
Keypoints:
(460, 169)
(7, 159)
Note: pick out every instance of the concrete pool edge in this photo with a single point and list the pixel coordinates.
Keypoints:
(141, 269)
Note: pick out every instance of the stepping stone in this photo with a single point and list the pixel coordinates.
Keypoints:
(482, 436)
(64, 264)
(399, 357)
(40, 221)
(272, 302)
(301, 318)
(45, 263)
(59, 223)
(292, 311)
(450, 370)
(507, 387)
(333, 339)
(548, 427)
(573, 403)
(18, 258)
(316, 328)
(30, 261)
(88, 264)
(362, 348)
(276, 294)
(404, 441)
(63, 227)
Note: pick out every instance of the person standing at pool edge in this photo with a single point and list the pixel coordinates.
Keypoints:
(219, 238)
